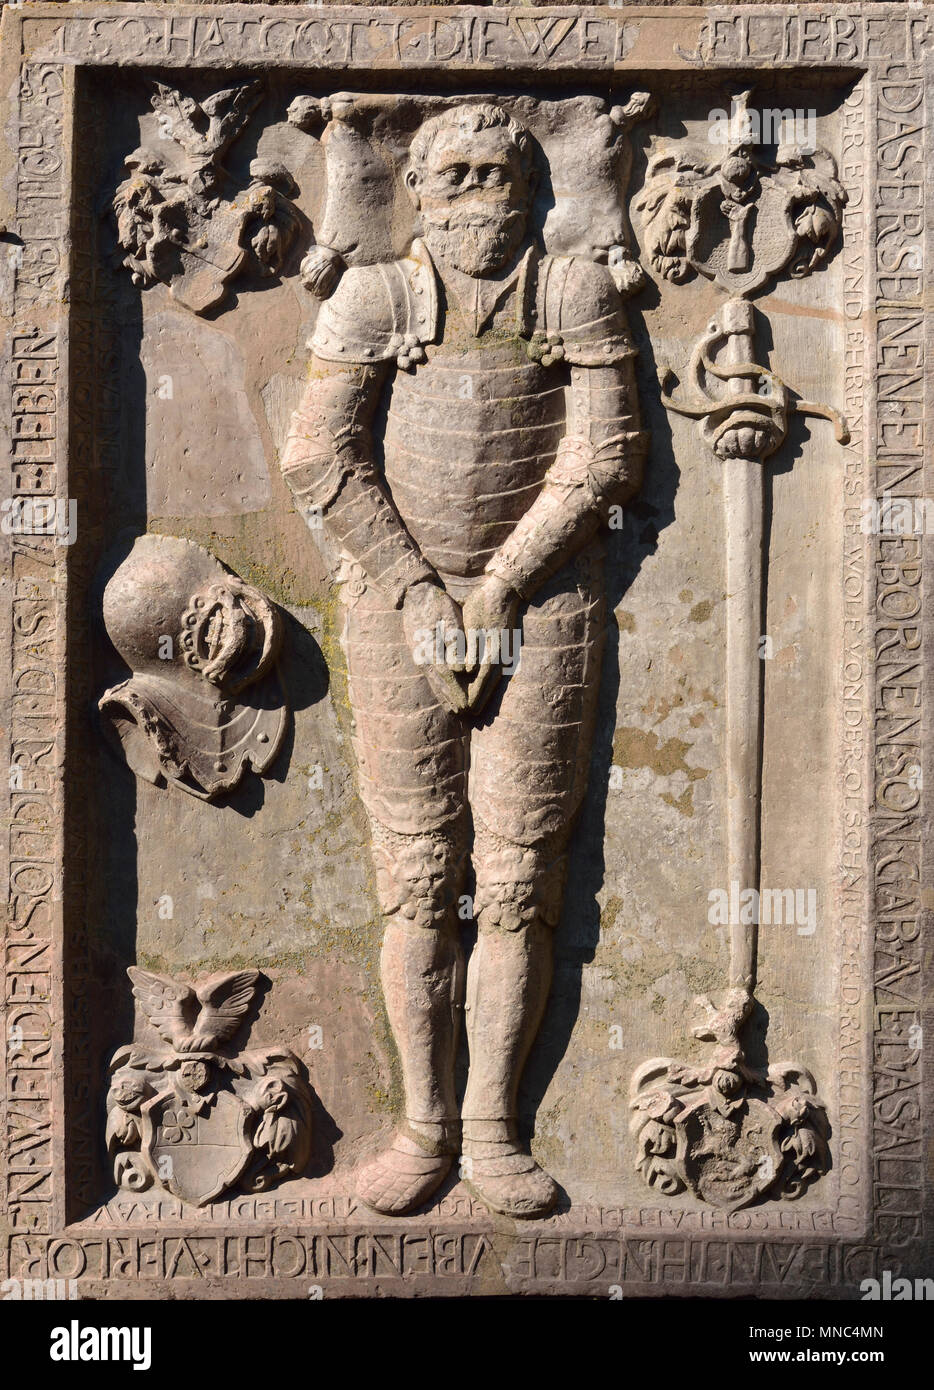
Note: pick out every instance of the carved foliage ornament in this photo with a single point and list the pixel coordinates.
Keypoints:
(181, 218)
(193, 1117)
(204, 702)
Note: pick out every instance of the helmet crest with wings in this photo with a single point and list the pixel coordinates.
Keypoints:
(199, 1018)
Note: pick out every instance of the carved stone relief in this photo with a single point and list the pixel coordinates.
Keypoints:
(179, 218)
(567, 605)
(732, 1133)
(204, 702)
(489, 540)
(193, 1117)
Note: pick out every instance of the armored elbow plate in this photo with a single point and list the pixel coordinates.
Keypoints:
(204, 702)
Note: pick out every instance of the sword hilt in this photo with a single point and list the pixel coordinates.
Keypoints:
(739, 423)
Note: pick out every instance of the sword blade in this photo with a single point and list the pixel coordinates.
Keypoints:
(742, 496)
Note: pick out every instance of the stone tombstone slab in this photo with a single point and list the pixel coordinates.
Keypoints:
(465, 550)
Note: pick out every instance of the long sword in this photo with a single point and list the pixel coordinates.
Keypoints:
(729, 1132)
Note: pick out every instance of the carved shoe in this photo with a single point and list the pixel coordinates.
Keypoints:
(511, 1183)
(402, 1177)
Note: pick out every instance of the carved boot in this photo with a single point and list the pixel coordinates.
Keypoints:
(422, 972)
(508, 980)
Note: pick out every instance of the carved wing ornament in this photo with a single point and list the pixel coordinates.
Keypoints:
(192, 1019)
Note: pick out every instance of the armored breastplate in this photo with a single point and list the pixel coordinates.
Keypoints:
(476, 413)
(469, 438)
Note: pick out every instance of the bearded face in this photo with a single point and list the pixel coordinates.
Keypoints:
(473, 196)
(476, 241)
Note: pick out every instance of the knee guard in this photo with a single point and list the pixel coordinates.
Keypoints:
(517, 884)
(418, 877)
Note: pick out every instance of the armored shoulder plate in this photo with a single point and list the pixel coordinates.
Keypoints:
(580, 313)
(380, 313)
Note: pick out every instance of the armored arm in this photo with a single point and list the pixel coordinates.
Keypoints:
(328, 465)
(599, 464)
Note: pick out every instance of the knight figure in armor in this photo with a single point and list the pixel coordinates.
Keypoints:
(469, 419)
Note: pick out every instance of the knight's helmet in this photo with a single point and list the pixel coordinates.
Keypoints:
(204, 700)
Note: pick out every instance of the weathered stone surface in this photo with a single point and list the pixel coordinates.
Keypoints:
(362, 332)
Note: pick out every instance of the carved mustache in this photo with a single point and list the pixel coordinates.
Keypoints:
(476, 217)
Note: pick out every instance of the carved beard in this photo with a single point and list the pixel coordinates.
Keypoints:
(473, 241)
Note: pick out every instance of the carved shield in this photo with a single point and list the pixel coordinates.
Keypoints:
(196, 1156)
(769, 233)
(208, 262)
(731, 1159)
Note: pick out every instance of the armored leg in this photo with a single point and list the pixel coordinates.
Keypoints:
(412, 770)
(530, 763)
(422, 974)
(509, 978)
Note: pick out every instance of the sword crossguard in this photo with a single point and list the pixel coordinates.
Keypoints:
(740, 422)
